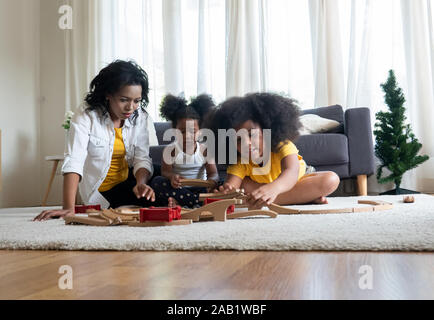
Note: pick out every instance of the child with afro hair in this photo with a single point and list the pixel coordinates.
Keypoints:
(188, 158)
(285, 181)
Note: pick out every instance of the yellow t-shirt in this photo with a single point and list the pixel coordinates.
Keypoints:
(118, 171)
(272, 172)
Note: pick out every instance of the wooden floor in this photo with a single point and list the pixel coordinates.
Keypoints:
(216, 275)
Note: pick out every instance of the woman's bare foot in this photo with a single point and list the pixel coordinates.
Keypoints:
(172, 202)
(320, 200)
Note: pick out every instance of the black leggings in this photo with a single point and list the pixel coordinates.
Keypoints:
(185, 196)
(122, 194)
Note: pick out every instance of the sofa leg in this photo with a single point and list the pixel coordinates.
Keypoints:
(362, 184)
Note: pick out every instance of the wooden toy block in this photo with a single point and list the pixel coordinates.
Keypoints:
(408, 199)
(252, 213)
(372, 202)
(231, 208)
(160, 214)
(82, 209)
(217, 209)
(242, 205)
(181, 222)
(383, 207)
(198, 183)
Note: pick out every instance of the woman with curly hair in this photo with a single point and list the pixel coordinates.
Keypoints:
(187, 158)
(107, 150)
(282, 179)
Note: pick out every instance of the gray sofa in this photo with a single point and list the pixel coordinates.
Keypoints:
(347, 150)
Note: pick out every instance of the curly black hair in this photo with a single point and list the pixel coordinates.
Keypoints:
(269, 110)
(174, 108)
(111, 79)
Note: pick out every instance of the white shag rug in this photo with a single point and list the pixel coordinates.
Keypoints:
(407, 227)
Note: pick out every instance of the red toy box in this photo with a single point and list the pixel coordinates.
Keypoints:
(160, 214)
(82, 209)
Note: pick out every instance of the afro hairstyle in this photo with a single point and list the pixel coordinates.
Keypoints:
(175, 108)
(269, 110)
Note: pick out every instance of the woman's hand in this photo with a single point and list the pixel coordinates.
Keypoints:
(263, 196)
(175, 181)
(142, 190)
(54, 214)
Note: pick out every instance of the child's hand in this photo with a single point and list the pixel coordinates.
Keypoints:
(175, 181)
(144, 191)
(225, 188)
(264, 195)
(212, 188)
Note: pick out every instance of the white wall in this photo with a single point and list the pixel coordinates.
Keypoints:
(19, 102)
(52, 79)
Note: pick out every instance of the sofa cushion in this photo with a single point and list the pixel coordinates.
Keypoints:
(160, 128)
(323, 149)
(156, 153)
(312, 123)
(333, 113)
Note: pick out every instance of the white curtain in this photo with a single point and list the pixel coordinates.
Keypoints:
(245, 46)
(327, 52)
(289, 68)
(417, 17)
(320, 52)
(359, 54)
(173, 55)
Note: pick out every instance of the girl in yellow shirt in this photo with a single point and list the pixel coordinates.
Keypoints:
(282, 179)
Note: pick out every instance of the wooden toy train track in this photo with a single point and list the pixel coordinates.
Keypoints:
(214, 211)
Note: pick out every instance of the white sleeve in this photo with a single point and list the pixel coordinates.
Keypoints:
(76, 144)
(141, 148)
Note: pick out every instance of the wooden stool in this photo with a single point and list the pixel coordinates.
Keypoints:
(55, 160)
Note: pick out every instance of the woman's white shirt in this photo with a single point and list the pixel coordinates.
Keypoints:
(89, 150)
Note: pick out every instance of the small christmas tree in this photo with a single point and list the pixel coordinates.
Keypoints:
(396, 146)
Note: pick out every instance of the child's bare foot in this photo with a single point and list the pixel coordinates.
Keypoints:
(172, 202)
(320, 200)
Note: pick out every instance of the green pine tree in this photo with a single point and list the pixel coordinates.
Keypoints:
(396, 146)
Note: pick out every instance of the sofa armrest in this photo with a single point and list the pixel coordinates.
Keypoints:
(360, 144)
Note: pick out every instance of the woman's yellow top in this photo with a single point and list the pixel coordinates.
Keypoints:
(270, 173)
(118, 171)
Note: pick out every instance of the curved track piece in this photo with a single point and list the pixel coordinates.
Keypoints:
(87, 221)
(217, 209)
(252, 213)
(378, 205)
(282, 210)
